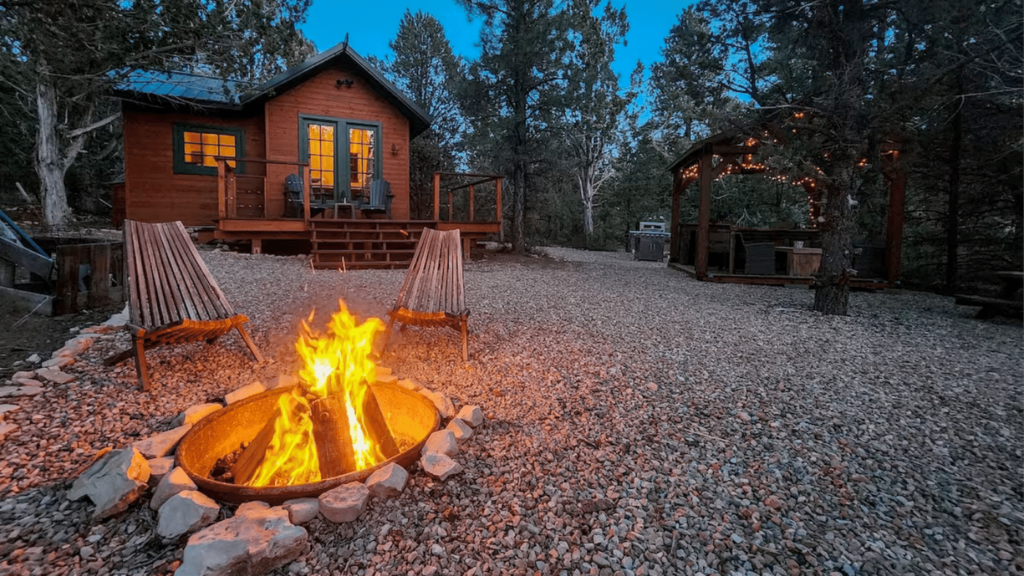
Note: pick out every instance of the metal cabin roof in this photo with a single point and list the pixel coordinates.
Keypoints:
(184, 86)
(224, 92)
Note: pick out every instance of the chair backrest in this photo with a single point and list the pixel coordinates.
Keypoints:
(293, 184)
(379, 190)
(434, 281)
(167, 280)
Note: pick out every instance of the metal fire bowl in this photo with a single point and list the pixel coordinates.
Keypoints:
(410, 417)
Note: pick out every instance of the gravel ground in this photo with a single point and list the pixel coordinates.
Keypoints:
(639, 422)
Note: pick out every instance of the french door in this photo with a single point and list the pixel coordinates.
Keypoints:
(343, 157)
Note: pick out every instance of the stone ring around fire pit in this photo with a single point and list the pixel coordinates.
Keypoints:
(410, 416)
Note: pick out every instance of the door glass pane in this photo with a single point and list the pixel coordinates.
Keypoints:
(362, 155)
(321, 161)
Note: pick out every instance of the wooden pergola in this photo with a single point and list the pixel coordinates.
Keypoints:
(736, 152)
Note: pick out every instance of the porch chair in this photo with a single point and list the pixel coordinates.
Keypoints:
(433, 293)
(173, 298)
(379, 200)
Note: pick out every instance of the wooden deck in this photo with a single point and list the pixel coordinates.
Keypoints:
(775, 279)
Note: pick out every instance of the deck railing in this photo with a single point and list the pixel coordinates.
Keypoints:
(470, 187)
(251, 192)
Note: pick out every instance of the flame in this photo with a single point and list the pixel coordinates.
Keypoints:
(335, 363)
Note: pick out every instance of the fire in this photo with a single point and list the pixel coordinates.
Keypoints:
(337, 364)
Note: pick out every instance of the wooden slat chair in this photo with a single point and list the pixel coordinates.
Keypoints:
(433, 293)
(379, 198)
(173, 298)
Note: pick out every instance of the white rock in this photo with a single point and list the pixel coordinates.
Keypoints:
(441, 442)
(471, 415)
(6, 408)
(185, 512)
(113, 482)
(410, 385)
(86, 552)
(194, 414)
(74, 347)
(58, 362)
(282, 381)
(254, 541)
(441, 401)
(302, 510)
(162, 444)
(344, 503)
(244, 392)
(28, 388)
(386, 379)
(33, 359)
(439, 466)
(383, 371)
(54, 376)
(6, 429)
(158, 468)
(175, 482)
(458, 427)
(23, 375)
(387, 481)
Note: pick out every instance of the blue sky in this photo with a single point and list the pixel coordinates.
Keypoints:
(371, 25)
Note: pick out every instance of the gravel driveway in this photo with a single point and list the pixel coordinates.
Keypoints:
(639, 422)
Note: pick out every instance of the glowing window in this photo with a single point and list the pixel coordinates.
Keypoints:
(197, 147)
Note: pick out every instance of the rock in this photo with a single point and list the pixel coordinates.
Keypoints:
(99, 329)
(23, 375)
(58, 362)
(185, 512)
(54, 376)
(33, 359)
(652, 386)
(244, 392)
(113, 482)
(410, 385)
(162, 444)
(386, 379)
(441, 401)
(176, 481)
(471, 415)
(254, 541)
(29, 389)
(194, 414)
(118, 320)
(74, 347)
(383, 371)
(441, 442)
(388, 481)
(344, 503)
(439, 466)
(282, 381)
(86, 552)
(5, 408)
(6, 429)
(458, 427)
(302, 510)
(773, 502)
(158, 468)
(743, 416)
(737, 538)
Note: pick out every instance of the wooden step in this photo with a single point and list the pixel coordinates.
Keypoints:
(373, 265)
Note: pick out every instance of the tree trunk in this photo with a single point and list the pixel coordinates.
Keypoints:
(50, 162)
(518, 206)
(833, 283)
(588, 219)
(953, 209)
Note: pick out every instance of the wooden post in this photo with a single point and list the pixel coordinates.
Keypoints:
(472, 192)
(437, 195)
(703, 214)
(451, 197)
(222, 212)
(674, 232)
(894, 229)
(497, 209)
(307, 192)
(99, 292)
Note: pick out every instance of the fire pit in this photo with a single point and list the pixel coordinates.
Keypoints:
(410, 416)
(337, 426)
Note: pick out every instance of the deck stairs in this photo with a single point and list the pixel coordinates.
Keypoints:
(364, 244)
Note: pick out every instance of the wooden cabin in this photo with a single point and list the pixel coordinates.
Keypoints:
(318, 156)
(785, 253)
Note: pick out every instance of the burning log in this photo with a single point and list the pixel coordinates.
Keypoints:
(331, 434)
(376, 427)
(253, 455)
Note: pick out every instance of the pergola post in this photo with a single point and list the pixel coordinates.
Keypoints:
(703, 214)
(894, 228)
